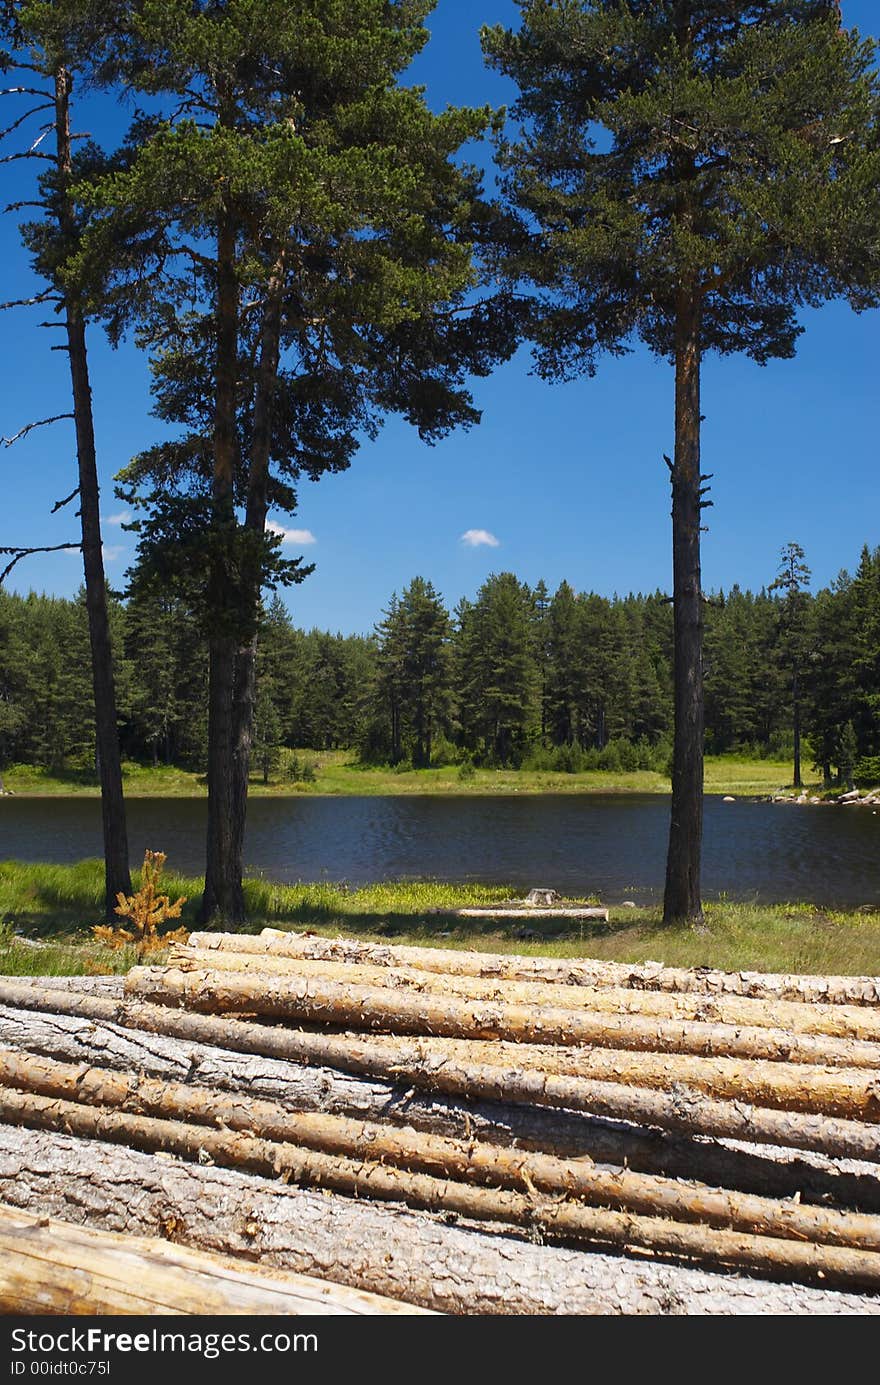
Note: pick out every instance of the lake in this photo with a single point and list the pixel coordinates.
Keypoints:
(612, 845)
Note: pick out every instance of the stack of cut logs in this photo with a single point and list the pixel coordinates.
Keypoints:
(453, 1131)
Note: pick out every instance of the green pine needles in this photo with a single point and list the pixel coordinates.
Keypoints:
(689, 174)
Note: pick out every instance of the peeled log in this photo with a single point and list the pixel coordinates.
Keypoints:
(294, 1086)
(383, 1247)
(847, 1092)
(316, 1001)
(83, 985)
(647, 976)
(527, 914)
(835, 1021)
(49, 1266)
(419, 1062)
(470, 1162)
(562, 1218)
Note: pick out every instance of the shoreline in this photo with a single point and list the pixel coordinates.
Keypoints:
(57, 906)
(337, 774)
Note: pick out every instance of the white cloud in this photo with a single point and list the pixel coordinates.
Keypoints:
(476, 538)
(291, 536)
(124, 517)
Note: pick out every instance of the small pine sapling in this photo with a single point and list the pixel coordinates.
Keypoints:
(146, 910)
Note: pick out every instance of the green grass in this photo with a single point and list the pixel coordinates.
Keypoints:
(59, 904)
(339, 772)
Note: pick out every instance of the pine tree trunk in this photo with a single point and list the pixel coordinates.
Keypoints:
(117, 874)
(245, 682)
(798, 782)
(681, 901)
(223, 897)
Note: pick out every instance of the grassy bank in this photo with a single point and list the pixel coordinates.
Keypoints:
(55, 905)
(339, 772)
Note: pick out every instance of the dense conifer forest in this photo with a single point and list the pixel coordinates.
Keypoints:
(517, 676)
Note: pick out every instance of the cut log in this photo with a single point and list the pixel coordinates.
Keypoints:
(49, 1266)
(527, 914)
(849, 990)
(316, 1001)
(850, 1093)
(835, 1021)
(294, 1086)
(555, 1217)
(420, 1063)
(84, 985)
(470, 1162)
(381, 1247)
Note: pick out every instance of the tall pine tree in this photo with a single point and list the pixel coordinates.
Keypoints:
(294, 243)
(689, 175)
(792, 580)
(48, 57)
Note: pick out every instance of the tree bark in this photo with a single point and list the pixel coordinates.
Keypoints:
(575, 971)
(51, 1267)
(314, 1000)
(109, 986)
(543, 1076)
(471, 1162)
(223, 898)
(117, 873)
(796, 728)
(303, 1087)
(681, 900)
(359, 1178)
(835, 1021)
(385, 1249)
(251, 580)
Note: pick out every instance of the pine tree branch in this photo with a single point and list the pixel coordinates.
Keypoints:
(27, 154)
(46, 130)
(19, 65)
(44, 297)
(35, 110)
(59, 504)
(203, 261)
(22, 91)
(28, 552)
(28, 428)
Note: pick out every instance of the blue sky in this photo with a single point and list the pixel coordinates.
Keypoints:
(568, 479)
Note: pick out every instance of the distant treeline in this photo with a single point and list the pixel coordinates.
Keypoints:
(515, 677)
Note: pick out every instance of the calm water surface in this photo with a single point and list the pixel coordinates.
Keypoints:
(612, 845)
